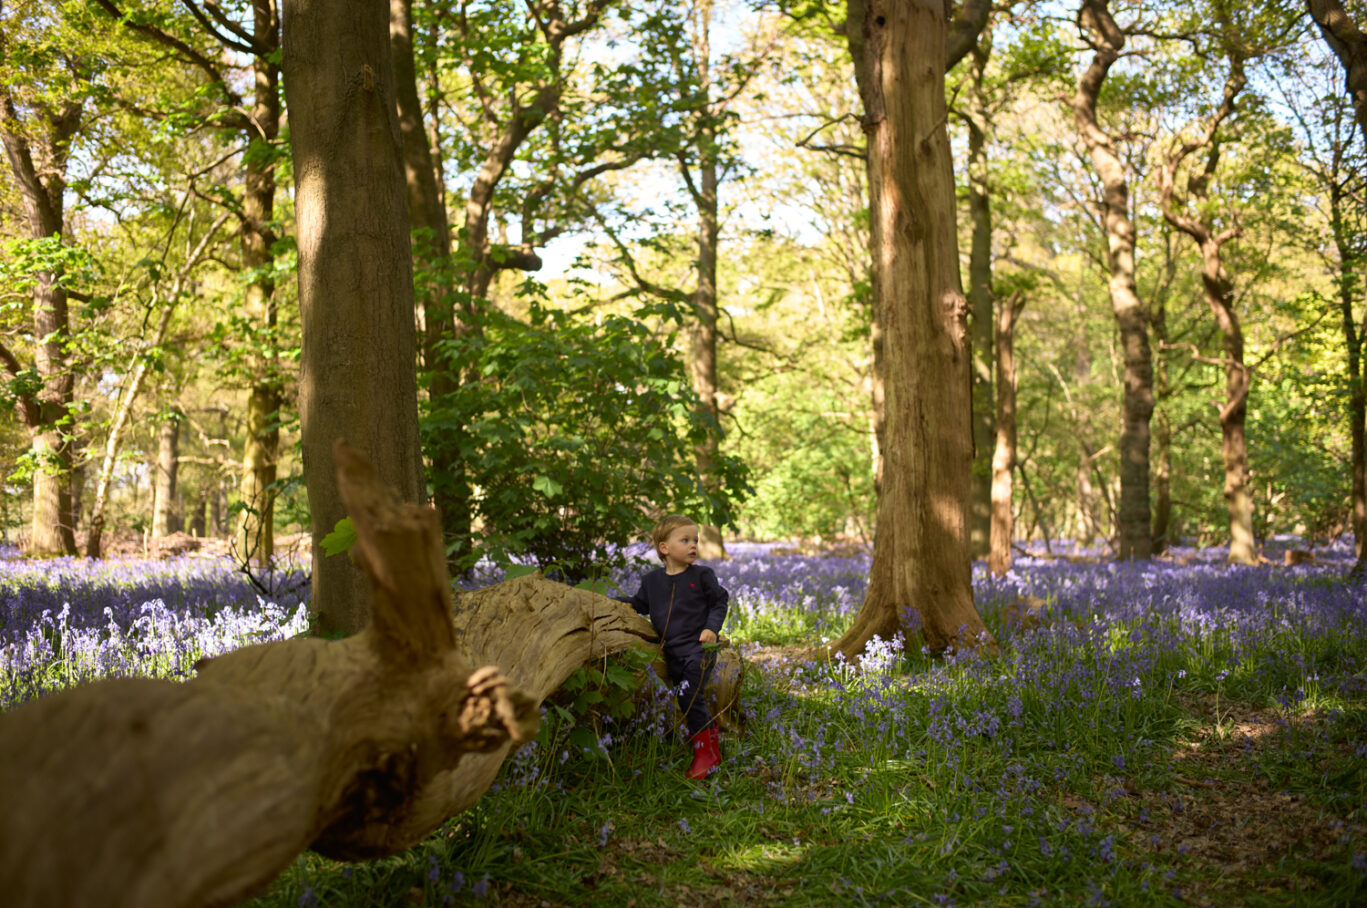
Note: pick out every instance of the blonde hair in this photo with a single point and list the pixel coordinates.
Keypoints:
(666, 526)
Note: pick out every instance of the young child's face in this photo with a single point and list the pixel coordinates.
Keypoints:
(680, 548)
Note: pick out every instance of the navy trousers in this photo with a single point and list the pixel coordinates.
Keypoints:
(690, 668)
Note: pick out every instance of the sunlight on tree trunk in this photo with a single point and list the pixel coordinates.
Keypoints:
(921, 568)
(1218, 290)
(164, 485)
(1004, 455)
(1132, 518)
(358, 365)
(980, 303)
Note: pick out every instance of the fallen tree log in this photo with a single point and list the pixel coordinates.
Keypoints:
(135, 792)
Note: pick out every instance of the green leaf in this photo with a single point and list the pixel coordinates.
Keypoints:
(341, 539)
(547, 486)
(593, 586)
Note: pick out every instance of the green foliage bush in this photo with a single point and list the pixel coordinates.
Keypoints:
(576, 431)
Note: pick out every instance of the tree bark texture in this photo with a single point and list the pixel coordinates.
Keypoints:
(1349, 44)
(1132, 518)
(1004, 454)
(136, 792)
(921, 565)
(980, 302)
(357, 370)
(38, 153)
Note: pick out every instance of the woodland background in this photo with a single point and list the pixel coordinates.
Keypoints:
(646, 285)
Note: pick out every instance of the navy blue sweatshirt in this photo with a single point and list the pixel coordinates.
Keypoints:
(681, 605)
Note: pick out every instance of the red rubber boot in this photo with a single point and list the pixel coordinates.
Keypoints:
(706, 753)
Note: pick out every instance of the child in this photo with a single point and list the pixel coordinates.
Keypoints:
(687, 606)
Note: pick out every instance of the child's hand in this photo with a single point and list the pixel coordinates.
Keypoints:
(707, 636)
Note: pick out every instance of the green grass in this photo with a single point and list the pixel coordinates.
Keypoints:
(1125, 763)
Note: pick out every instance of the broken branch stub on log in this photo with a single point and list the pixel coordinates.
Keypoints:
(136, 792)
(143, 792)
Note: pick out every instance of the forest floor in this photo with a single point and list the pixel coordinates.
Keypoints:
(1179, 733)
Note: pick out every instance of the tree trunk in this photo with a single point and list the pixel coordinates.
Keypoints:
(1004, 455)
(1218, 290)
(702, 360)
(921, 563)
(1162, 483)
(357, 367)
(431, 231)
(980, 301)
(38, 154)
(1132, 524)
(164, 485)
(1349, 44)
(1243, 548)
(260, 454)
(1348, 279)
(1162, 432)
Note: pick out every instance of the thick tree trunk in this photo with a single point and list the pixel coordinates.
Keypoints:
(921, 565)
(1004, 455)
(1243, 547)
(357, 368)
(1132, 518)
(980, 302)
(164, 484)
(52, 532)
(38, 153)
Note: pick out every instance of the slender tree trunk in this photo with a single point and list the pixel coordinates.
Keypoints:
(1162, 430)
(1004, 456)
(921, 563)
(702, 358)
(357, 369)
(1133, 519)
(427, 218)
(1352, 342)
(123, 411)
(260, 455)
(1218, 290)
(980, 302)
(164, 485)
(1243, 547)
